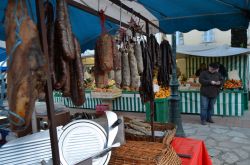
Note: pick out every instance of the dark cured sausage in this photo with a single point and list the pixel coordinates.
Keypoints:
(76, 77)
(66, 88)
(62, 25)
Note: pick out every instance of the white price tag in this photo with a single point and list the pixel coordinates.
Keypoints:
(156, 88)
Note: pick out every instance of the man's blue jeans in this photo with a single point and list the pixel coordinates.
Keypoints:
(207, 107)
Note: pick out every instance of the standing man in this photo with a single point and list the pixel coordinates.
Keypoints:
(211, 81)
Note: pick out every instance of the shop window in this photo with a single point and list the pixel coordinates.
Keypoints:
(179, 38)
(208, 36)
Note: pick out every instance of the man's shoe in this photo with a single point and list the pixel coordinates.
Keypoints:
(203, 123)
(210, 121)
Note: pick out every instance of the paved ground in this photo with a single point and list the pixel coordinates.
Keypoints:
(226, 145)
(227, 140)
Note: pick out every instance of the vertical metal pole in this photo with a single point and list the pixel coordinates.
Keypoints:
(174, 113)
(151, 101)
(48, 87)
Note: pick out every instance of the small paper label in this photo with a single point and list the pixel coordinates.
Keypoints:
(156, 88)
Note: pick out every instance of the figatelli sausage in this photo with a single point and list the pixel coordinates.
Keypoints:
(146, 88)
(63, 28)
(66, 88)
(60, 70)
(165, 68)
(76, 78)
(154, 49)
(26, 65)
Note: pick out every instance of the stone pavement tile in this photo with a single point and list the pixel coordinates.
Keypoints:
(198, 137)
(223, 149)
(216, 161)
(190, 132)
(203, 133)
(247, 148)
(246, 131)
(236, 134)
(241, 140)
(187, 126)
(230, 158)
(241, 153)
(217, 126)
(210, 143)
(244, 162)
(245, 124)
(228, 144)
(219, 137)
(213, 152)
(220, 130)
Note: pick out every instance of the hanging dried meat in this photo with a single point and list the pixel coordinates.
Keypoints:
(165, 68)
(105, 52)
(116, 58)
(64, 54)
(63, 30)
(146, 88)
(138, 56)
(26, 65)
(76, 77)
(125, 70)
(118, 67)
(154, 49)
(134, 75)
(101, 77)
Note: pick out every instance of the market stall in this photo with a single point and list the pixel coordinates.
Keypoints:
(233, 99)
(64, 23)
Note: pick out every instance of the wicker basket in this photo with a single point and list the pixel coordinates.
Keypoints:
(170, 128)
(144, 153)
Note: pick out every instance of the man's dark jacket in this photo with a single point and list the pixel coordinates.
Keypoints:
(207, 89)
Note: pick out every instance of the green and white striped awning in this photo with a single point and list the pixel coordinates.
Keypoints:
(237, 62)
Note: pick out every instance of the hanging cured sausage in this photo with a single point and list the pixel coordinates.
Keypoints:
(154, 49)
(125, 70)
(26, 65)
(165, 68)
(134, 85)
(146, 88)
(76, 77)
(138, 55)
(105, 52)
(63, 30)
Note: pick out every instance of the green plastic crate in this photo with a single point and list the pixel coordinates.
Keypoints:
(161, 110)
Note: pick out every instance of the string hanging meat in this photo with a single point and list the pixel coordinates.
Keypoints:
(26, 65)
(154, 50)
(125, 70)
(165, 68)
(64, 51)
(63, 29)
(133, 68)
(146, 88)
(138, 56)
(76, 77)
